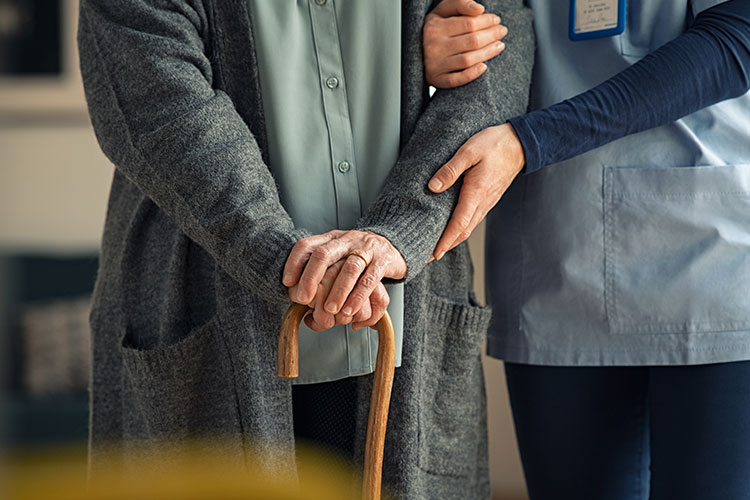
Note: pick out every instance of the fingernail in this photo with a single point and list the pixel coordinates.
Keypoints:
(347, 311)
(500, 46)
(496, 20)
(440, 255)
(435, 185)
(503, 30)
(287, 279)
(482, 68)
(331, 307)
(430, 260)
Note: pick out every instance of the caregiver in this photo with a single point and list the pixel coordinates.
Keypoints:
(619, 264)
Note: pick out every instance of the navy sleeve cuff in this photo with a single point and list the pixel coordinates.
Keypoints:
(529, 143)
(707, 64)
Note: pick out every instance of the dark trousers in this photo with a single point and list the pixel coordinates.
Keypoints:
(325, 416)
(625, 433)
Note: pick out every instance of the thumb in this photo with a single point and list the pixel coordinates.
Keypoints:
(449, 8)
(450, 172)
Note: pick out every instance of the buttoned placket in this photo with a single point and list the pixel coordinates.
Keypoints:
(341, 139)
(336, 109)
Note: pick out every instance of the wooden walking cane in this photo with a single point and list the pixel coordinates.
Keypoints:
(287, 367)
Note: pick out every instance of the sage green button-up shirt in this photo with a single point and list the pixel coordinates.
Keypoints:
(330, 75)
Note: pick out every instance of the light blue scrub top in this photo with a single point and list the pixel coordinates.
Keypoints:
(638, 252)
(330, 76)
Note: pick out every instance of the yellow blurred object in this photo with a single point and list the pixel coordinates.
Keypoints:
(174, 474)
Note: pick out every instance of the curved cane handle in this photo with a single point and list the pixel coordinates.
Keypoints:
(288, 367)
(287, 361)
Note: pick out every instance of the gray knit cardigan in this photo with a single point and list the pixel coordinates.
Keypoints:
(188, 300)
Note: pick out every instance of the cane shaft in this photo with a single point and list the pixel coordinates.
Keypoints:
(379, 403)
(288, 367)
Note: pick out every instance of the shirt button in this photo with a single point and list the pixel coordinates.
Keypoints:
(344, 167)
(321, 2)
(332, 82)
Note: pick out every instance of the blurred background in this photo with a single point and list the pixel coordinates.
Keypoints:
(54, 183)
(53, 191)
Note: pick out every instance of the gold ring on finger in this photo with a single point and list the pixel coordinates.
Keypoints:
(360, 255)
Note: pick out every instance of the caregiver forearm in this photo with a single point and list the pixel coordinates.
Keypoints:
(707, 64)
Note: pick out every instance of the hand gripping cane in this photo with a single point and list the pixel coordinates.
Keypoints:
(287, 367)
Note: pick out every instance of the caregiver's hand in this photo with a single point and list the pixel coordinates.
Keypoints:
(368, 258)
(457, 39)
(489, 162)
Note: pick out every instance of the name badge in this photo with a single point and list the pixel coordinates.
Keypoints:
(596, 19)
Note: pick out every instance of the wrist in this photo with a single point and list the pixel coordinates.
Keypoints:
(531, 147)
(512, 149)
(396, 270)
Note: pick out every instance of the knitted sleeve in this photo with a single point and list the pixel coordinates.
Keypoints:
(406, 212)
(157, 117)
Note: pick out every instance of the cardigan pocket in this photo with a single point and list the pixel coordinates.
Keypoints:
(186, 389)
(452, 399)
(677, 249)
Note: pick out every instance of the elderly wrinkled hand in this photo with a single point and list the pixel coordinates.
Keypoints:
(339, 274)
(457, 38)
(488, 161)
(318, 319)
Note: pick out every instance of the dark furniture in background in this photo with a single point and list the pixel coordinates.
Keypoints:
(30, 287)
(31, 37)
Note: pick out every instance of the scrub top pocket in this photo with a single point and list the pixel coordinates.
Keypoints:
(677, 249)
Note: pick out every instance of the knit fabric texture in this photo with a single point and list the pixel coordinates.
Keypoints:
(189, 300)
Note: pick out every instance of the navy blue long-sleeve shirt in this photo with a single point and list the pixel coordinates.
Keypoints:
(708, 63)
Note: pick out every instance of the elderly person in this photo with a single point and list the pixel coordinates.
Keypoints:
(239, 129)
(619, 265)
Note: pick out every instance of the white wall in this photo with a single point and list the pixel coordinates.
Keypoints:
(54, 182)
